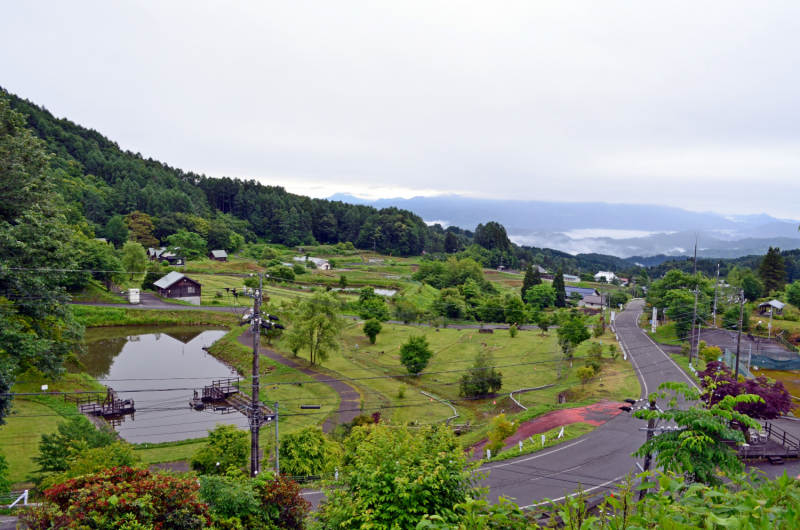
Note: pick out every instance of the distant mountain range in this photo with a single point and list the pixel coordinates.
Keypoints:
(558, 225)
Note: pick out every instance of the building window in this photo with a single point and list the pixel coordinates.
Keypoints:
(190, 290)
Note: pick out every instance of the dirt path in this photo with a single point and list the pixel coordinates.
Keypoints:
(596, 414)
(349, 396)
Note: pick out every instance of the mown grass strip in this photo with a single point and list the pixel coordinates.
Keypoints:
(571, 431)
(93, 316)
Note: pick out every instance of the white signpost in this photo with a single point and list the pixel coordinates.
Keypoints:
(655, 319)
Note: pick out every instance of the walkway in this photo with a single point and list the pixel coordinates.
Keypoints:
(349, 398)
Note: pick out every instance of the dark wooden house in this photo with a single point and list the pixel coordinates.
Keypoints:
(218, 255)
(179, 286)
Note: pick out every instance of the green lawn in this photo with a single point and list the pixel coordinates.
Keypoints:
(665, 334)
(19, 438)
(525, 361)
(683, 362)
(168, 452)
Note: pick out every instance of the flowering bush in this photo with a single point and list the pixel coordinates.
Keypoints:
(121, 497)
(261, 503)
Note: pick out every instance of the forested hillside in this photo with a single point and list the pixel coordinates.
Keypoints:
(99, 180)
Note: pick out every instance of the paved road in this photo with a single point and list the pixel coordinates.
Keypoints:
(600, 458)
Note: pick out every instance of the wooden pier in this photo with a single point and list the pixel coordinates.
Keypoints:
(226, 393)
(217, 391)
(243, 403)
(111, 406)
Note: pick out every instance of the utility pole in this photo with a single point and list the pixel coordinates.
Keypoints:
(769, 329)
(255, 406)
(714, 314)
(739, 338)
(651, 426)
(696, 237)
(277, 444)
(694, 323)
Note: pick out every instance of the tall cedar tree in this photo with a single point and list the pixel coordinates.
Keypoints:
(450, 243)
(532, 277)
(772, 271)
(561, 290)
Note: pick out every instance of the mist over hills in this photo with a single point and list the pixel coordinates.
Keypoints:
(622, 230)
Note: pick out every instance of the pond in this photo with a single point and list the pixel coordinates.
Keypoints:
(159, 367)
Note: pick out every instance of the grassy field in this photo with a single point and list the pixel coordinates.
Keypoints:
(19, 438)
(233, 265)
(526, 361)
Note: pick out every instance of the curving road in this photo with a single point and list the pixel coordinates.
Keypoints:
(600, 458)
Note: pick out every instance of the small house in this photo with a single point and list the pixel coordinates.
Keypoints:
(571, 279)
(161, 254)
(154, 253)
(218, 255)
(773, 305)
(605, 276)
(180, 287)
(321, 264)
(591, 301)
(540, 269)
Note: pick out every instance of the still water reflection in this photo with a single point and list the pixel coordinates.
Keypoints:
(167, 362)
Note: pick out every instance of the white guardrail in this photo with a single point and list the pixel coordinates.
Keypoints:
(521, 390)
(455, 412)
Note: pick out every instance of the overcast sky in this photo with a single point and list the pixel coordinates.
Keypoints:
(689, 104)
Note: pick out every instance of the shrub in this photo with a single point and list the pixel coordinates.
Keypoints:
(282, 272)
(501, 429)
(401, 391)
(121, 497)
(395, 477)
(268, 254)
(58, 451)
(482, 378)
(307, 452)
(371, 329)
(595, 349)
(593, 364)
(710, 353)
(585, 373)
(512, 330)
(88, 461)
(226, 447)
(415, 354)
(373, 308)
